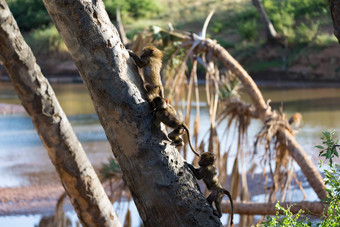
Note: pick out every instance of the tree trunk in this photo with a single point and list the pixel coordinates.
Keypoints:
(253, 208)
(76, 173)
(269, 28)
(163, 189)
(308, 168)
(334, 6)
(120, 28)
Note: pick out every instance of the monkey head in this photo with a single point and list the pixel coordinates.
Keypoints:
(207, 158)
(151, 51)
(159, 103)
(152, 92)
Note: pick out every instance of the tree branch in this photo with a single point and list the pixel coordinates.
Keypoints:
(37, 96)
(253, 208)
(308, 168)
(164, 191)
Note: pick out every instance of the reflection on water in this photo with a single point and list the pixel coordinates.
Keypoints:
(24, 161)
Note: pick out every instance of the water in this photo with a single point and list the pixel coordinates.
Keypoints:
(24, 161)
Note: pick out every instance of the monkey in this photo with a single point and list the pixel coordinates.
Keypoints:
(295, 119)
(166, 114)
(151, 62)
(151, 92)
(207, 171)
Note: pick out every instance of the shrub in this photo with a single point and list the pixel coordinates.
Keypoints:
(285, 13)
(46, 40)
(248, 29)
(331, 216)
(29, 14)
(132, 8)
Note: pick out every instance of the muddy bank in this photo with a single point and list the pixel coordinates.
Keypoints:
(40, 199)
(268, 63)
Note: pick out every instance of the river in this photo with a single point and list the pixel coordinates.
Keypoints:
(24, 161)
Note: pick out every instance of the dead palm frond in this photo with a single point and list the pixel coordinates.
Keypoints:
(111, 176)
(282, 174)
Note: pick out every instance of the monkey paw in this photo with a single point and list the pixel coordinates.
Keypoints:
(178, 144)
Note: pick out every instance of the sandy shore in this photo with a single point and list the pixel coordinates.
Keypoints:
(39, 199)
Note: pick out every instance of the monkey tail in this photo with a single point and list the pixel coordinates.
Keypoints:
(189, 139)
(225, 191)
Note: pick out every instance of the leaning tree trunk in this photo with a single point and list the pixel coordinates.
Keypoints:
(334, 6)
(269, 28)
(163, 189)
(76, 172)
(308, 168)
(120, 28)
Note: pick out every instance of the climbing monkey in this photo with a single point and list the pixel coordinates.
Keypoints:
(207, 172)
(165, 113)
(151, 63)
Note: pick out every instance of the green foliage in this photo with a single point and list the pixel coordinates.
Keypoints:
(132, 8)
(29, 14)
(332, 179)
(284, 217)
(306, 34)
(323, 40)
(216, 27)
(46, 40)
(331, 216)
(329, 147)
(248, 29)
(285, 14)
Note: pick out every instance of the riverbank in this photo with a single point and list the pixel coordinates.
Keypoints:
(269, 65)
(33, 199)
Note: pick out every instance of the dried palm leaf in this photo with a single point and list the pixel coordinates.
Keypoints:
(222, 166)
(127, 221)
(235, 180)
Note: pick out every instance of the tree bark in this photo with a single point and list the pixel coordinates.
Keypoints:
(252, 208)
(76, 172)
(308, 168)
(334, 6)
(269, 28)
(163, 189)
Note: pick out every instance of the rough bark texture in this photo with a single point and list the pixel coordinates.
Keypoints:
(252, 208)
(269, 28)
(308, 168)
(163, 189)
(76, 173)
(334, 6)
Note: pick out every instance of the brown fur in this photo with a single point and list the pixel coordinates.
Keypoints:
(207, 171)
(166, 114)
(295, 119)
(151, 62)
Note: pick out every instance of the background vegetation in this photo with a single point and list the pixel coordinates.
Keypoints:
(236, 25)
(284, 217)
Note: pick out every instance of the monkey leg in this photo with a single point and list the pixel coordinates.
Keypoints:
(156, 121)
(212, 198)
(175, 136)
(218, 206)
